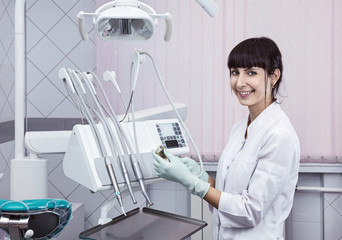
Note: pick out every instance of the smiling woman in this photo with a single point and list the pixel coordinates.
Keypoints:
(255, 73)
(257, 173)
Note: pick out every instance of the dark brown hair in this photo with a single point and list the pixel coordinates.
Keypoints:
(258, 52)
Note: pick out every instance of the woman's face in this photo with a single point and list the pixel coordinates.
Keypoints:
(249, 86)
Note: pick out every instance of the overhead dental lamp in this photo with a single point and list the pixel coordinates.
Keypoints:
(125, 20)
(131, 20)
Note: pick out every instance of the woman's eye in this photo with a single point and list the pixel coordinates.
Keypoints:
(234, 72)
(251, 73)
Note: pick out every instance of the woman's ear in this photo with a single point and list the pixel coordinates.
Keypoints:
(275, 76)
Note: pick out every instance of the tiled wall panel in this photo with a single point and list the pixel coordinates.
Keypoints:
(6, 153)
(6, 61)
(53, 42)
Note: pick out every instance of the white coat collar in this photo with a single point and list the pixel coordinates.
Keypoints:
(262, 119)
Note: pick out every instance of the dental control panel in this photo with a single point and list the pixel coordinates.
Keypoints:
(84, 164)
(152, 133)
(171, 135)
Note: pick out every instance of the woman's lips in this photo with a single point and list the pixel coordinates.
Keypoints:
(245, 94)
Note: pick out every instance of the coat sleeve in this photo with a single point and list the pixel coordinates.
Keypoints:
(276, 156)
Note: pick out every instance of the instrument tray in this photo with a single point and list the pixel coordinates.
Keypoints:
(148, 224)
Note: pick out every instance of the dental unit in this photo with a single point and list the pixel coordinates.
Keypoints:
(104, 153)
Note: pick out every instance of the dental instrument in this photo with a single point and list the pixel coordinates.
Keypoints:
(108, 130)
(105, 154)
(79, 90)
(134, 162)
(111, 77)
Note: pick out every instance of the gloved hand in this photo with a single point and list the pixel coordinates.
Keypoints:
(177, 171)
(195, 169)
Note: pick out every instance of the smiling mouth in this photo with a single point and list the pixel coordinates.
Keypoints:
(245, 93)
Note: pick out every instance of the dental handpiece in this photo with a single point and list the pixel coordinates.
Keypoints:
(134, 163)
(139, 176)
(115, 185)
(109, 166)
(102, 148)
(110, 135)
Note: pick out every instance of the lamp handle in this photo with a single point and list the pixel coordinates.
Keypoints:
(81, 26)
(168, 30)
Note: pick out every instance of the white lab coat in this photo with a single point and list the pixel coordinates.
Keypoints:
(257, 178)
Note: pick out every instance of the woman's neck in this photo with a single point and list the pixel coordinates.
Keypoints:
(255, 110)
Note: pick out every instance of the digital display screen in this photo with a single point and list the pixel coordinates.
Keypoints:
(172, 144)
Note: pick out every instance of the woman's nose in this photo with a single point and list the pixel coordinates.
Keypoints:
(241, 81)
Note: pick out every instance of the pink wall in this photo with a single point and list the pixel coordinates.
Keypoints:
(193, 65)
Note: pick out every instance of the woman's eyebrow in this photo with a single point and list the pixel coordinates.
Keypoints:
(250, 68)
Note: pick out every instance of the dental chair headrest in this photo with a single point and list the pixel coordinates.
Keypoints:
(46, 217)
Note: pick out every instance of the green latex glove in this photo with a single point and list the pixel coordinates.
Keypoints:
(175, 170)
(195, 168)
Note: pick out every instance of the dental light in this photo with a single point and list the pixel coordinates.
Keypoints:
(125, 20)
(131, 20)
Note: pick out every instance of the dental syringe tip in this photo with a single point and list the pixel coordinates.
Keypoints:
(123, 210)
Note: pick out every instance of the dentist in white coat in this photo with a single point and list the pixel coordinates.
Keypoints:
(258, 169)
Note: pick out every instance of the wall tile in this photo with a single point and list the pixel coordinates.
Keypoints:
(2, 9)
(306, 230)
(67, 5)
(42, 98)
(54, 161)
(6, 153)
(65, 108)
(92, 201)
(7, 113)
(7, 75)
(53, 192)
(60, 33)
(183, 202)
(337, 205)
(35, 76)
(41, 54)
(7, 28)
(307, 205)
(2, 100)
(332, 225)
(3, 164)
(164, 185)
(51, 14)
(33, 36)
(42, 124)
(83, 56)
(6, 131)
(332, 181)
(7, 150)
(33, 111)
(64, 184)
(164, 200)
(5, 185)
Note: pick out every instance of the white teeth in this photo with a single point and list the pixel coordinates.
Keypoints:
(245, 93)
